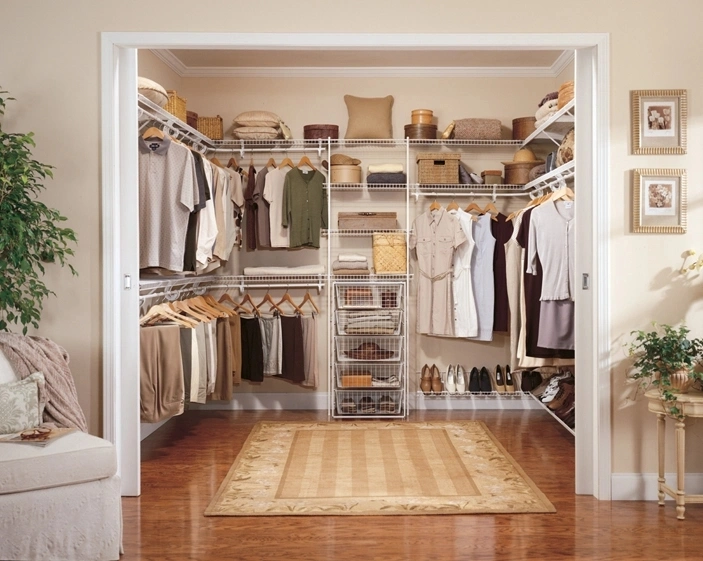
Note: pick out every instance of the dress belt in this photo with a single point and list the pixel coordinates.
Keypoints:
(436, 277)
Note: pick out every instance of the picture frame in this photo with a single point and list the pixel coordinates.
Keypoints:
(659, 121)
(659, 201)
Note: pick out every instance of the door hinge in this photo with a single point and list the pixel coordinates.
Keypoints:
(585, 281)
(128, 282)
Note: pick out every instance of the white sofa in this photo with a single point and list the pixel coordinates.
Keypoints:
(60, 502)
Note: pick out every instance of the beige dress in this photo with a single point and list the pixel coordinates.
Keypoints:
(434, 236)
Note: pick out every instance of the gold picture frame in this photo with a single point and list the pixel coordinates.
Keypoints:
(659, 201)
(659, 121)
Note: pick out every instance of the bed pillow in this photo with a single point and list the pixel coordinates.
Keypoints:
(257, 119)
(369, 117)
(256, 133)
(20, 406)
(152, 91)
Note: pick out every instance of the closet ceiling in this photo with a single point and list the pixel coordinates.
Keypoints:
(238, 62)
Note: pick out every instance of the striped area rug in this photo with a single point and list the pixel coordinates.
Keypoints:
(372, 468)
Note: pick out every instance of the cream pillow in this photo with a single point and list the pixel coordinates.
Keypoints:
(369, 117)
(257, 119)
(7, 373)
(152, 91)
(20, 406)
(256, 133)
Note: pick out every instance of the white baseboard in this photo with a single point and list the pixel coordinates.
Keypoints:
(150, 428)
(643, 486)
(268, 401)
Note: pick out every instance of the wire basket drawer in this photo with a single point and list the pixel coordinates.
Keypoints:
(365, 322)
(368, 349)
(369, 296)
(369, 375)
(364, 402)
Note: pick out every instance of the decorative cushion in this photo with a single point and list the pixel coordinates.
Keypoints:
(7, 374)
(256, 133)
(565, 153)
(152, 91)
(369, 117)
(257, 119)
(20, 407)
(74, 458)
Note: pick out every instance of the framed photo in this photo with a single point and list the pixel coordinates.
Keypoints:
(659, 121)
(659, 201)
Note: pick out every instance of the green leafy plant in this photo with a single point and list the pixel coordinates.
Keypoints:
(30, 231)
(662, 352)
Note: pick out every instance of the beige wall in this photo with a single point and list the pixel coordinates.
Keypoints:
(50, 61)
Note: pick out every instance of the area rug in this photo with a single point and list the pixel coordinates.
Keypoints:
(375, 468)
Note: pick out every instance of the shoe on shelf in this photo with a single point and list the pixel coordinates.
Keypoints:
(485, 381)
(436, 379)
(474, 381)
(529, 380)
(509, 383)
(500, 380)
(451, 380)
(460, 379)
(426, 380)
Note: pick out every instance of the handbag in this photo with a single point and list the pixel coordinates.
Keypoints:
(390, 254)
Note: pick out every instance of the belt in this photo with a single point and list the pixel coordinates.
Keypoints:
(436, 277)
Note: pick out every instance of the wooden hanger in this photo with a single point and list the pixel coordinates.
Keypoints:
(286, 162)
(217, 162)
(232, 163)
(202, 304)
(247, 300)
(308, 298)
(435, 206)
(305, 161)
(287, 299)
(237, 306)
(271, 163)
(163, 312)
(492, 210)
(473, 206)
(210, 299)
(452, 206)
(153, 132)
(186, 307)
(564, 193)
(268, 300)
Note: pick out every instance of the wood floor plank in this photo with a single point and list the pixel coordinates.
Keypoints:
(184, 462)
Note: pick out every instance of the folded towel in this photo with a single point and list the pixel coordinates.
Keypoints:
(350, 265)
(546, 98)
(544, 119)
(385, 168)
(387, 178)
(351, 272)
(301, 270)
(547, 108)
(351, 257)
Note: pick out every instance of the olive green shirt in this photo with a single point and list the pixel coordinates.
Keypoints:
(304, 207)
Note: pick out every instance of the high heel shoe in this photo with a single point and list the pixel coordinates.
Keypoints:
(451, 380)
(426, 380)
(460, 379)
(500, 381)
(474, 381)
(436, 379)
(509, 383)
(485, 380)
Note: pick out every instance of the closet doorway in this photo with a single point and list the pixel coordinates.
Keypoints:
(120, 212)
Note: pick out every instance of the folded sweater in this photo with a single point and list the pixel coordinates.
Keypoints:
(385, 168)
(351, 272)
(387, 178)
(351, 257)
(350, 265)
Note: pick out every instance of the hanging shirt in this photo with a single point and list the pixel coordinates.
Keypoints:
(273, 193)
(207, 224)
(482, 276)
(168, 192)
(501, 229)
(434, 236)
(465, 318)
(304, 207)
(250, 210)
(263, 228)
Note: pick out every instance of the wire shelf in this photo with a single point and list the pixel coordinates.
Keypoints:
(548, 410)
(468, 394)
(374, 278)
(361, 233)
(462, 142)
(368, 186)
(554, 129)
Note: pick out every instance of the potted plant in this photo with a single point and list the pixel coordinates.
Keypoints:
(30, 232)
(666, 357)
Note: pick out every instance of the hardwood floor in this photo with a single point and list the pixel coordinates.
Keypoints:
(185, 461)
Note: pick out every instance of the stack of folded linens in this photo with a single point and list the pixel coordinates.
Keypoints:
(386, 173)
(382, 322)
(258, 125)
(547, 107)
(351, 264)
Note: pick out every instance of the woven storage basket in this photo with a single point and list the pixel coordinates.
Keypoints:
(438, 168)
(477, 129)
(192, 119)
(312, 132)
(523, 127)
(211, 127)
(389, 254)
(176, 105)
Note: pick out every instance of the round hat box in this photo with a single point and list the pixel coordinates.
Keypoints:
(421, 117)
(423, 132)
(345, 174)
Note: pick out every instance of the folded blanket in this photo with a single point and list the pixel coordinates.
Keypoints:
(351, 257)
(301, 270)
(546, 98)
(351, 272)
(350, 265)
(544, 119)
(385, 168)
(352, 319)
(387, 178)
(550, 107)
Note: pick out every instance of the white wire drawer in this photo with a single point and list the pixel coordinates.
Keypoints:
(364, 402)
(369, 375)
(368, 349)
(369, 296)
(369, 322)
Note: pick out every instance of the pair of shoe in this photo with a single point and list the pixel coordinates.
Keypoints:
(531, 379)
(480, 381)
(554, 386)
(456, 379)
(430, 380)
(504, 383)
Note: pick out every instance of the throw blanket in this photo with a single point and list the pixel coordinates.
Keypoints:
(547, 109)
(351, 257)
(37, 354)
(350, 265)
(546, 98)
(385, 168)
(301, 270)
(386, 178)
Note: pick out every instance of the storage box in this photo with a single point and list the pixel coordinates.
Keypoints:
(421, 117)
(390, 255)
(192, 119)
(367, 220)
(383, 375)
(176, 105)
(355, 380)
(523, 127)
(211, 127)
(492, 176)
(438, 168)
(311, 132)
(477, 129)
(519, 173)
(345, 174)
(361, 296)
(421, 132)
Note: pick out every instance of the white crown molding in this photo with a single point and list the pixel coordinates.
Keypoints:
(175, 64)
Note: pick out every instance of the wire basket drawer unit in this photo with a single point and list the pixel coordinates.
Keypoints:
(369, 349)
(369, 375)
(369, 322)
(369, 296)
(364, 402)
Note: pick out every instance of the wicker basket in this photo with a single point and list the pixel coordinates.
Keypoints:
(438, 168)
(192, 119)
(389, 254)
(314, 132)
(523, 127)
(176, 105)
(211, 127)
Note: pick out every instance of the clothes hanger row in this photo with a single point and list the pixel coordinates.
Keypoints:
(564, 193)
(489, 209)
(248, 306)
(188, 312)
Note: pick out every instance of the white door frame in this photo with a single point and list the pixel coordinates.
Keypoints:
(120, 218)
